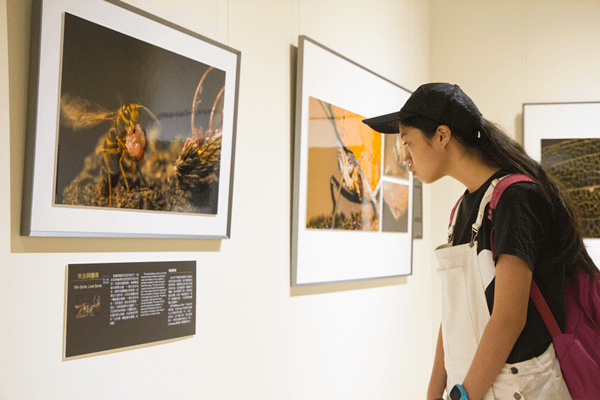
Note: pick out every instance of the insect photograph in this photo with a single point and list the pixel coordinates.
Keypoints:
(343, 170)
(394, 165)
(140, 126)
(394, 212)
(345, 183)
(575, 163)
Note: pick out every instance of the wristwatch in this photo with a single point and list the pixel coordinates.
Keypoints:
(458, 393)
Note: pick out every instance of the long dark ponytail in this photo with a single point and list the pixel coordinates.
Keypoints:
(500, 149)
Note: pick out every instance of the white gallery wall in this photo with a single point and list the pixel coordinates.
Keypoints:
(256, 338)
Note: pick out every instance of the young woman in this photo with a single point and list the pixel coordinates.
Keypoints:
(492, 342)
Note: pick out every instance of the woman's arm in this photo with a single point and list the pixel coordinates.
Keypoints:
(437, 382)
(511, 298)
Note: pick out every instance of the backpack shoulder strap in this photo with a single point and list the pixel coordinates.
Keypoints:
(502, 185)
(544, 310)
(535, 294)
(499, 188)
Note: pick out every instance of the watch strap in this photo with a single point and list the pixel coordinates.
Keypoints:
(458, 392)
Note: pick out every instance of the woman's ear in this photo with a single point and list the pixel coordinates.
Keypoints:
(443, 135)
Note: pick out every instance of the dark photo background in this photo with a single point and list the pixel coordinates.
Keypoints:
(110, 69)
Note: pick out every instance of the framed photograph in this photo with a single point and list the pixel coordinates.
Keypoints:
(565, 137)
(352, 207)
(132, 123)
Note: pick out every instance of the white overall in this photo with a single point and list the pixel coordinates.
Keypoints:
(465, 314)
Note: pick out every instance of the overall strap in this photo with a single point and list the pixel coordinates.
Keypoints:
(480, 214)
(453, 220)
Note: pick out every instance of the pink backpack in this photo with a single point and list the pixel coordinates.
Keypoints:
(578, 347)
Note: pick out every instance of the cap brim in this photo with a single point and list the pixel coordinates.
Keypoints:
(388, 123)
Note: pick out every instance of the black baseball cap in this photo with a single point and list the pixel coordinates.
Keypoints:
(442, 102)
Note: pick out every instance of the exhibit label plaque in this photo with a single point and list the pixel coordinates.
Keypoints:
(111, 306)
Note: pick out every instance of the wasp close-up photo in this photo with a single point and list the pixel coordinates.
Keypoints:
(123, 145)
(140, 127)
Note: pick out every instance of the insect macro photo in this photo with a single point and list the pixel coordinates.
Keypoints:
(136, 135)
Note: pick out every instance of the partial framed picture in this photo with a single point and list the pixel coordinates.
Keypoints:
(352, 207)
(132, 123)
(565, 137)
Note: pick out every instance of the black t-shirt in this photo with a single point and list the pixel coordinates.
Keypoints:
(523, 227)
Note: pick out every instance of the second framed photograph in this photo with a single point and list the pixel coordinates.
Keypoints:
(565, 138)
(352, 208)
(131, 128)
